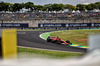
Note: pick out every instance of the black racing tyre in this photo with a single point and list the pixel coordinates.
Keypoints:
(48, 39)
(52, 41)
(67, 41)
(70, 44)
(55, 41)
(59, 42)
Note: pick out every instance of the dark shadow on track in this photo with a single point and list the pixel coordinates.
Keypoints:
(32, 39)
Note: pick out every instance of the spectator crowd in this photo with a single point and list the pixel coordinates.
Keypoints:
(49, 15)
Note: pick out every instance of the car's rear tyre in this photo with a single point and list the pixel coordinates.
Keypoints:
(52, 41)
(70, 43)
(67, 41)
(48, 39)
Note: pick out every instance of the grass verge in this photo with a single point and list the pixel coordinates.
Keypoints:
(79, 37)
(48, 53)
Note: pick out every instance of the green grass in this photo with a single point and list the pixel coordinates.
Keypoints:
(47, 53)
(45, 35)
(34, 29)
(78, 37)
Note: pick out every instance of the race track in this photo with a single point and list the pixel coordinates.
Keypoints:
(32, 39)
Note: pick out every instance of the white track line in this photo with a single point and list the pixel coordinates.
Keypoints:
(47, 32)
(42, 34)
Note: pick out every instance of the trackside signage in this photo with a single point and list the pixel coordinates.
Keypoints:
(69, 25)
(13, 24)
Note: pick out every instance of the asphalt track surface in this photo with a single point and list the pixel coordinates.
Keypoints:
(31, 39)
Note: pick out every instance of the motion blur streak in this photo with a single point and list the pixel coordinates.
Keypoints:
(91, 59)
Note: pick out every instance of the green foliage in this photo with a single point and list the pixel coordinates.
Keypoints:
(91, 6)
(81, 7)
(2, 6)
(98, 5)
(55, 7)
(5, 6)
(48, 7)
(17, 7)
(29, 5)
(70, 7)
(38, 7)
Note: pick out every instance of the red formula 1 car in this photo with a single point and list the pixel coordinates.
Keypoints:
(58, 40)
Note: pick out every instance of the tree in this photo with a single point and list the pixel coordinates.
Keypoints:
(97, 5)
(29, 5)
(61, 6)
(2, 6)
(44, 9)
(91, 6)
(55, 7)
(22, 5)
(80, 7)
(8, 6)
(38, 7)
(17, 7)
(48, 7)
(5, 6)
(70, 7)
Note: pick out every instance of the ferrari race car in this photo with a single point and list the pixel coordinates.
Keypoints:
(58, 40)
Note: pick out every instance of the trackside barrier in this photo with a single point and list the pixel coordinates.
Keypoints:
(8, 44)
(56, 28)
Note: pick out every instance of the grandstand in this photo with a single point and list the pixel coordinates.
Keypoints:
(48, 15)
(33, 15)
(33, 19)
